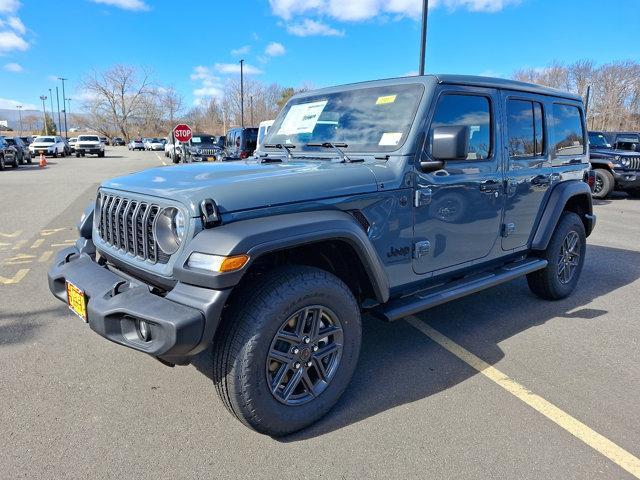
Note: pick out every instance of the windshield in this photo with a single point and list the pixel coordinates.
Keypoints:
(44, 140)
(88, 138)
(203, 139)
(598, 140)
(366, 119)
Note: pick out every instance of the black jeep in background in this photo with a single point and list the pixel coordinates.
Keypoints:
(616, 168)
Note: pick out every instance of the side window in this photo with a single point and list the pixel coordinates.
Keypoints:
(525, 129)
(473, 111)
(567, 130)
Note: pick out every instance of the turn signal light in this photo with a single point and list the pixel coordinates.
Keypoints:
(217, 263)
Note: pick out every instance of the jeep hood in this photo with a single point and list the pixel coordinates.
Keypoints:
(236, 186)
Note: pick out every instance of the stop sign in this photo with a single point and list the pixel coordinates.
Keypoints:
(182, 132)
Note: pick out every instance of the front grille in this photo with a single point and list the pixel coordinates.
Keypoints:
(87, 145)
(127, 225)
(634, 163)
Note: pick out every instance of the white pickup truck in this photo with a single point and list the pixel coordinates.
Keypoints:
(89, 144)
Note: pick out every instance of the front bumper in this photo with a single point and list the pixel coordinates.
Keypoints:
(91, 151)
(627, 178)
(182, 322)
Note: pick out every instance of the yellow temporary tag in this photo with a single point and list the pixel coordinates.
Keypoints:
(386, 99)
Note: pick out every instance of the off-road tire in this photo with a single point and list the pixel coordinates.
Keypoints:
(2, 164)
(101, 155)
(29, 160)
(546, 283)
(16, 162)
(607, 181)
(243, 342)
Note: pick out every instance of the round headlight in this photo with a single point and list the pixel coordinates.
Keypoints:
(198, 151)
(168, 229)
(625, 162)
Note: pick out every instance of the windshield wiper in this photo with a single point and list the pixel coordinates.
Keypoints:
(281, 146)
(336, 147)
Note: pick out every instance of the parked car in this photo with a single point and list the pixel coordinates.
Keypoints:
(104, 140)
(263, 130)
(614, 169)
(89, 145)
(202, 148)
(271, 261)
(240, 143)
(47, 145)
(136, 144)
(22, 150)
(8, 154)
(118, 142)
(26, 140)
(629, 141)
(72, 144)
(153, 144)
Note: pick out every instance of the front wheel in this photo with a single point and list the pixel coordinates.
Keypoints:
(565, 256)
(287, 349)
(604, 183)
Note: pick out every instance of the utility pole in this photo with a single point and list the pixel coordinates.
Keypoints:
(52, 117)
(44, 114)
(65, 115)
(19, 107)
(251, 106)
(66, 132)
(423, 40)
(242, 93)
(58, 105)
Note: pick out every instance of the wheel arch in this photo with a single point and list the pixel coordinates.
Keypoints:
(332, 240)
(573, 196)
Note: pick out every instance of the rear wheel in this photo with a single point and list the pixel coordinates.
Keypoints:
(565, 256)
(604, 183)
(287, 349)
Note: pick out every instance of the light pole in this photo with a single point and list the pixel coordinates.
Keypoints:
(66, 132)
(58, 105)
(251, 106)
(423, 40)
(65, 116)
(44, 114)
(242, 93)
(52, 117)
(19, 107)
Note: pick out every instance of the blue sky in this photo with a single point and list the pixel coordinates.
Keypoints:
(196, 44)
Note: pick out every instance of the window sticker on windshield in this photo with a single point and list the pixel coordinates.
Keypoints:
(390, 139)
(302, 118)
(386, 99)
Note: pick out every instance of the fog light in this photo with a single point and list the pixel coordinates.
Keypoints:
(144, 330)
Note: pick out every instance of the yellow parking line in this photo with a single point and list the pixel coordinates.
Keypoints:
(51, 231)
(17, 278)
(19, 259)
(45, 256)
(37, 243)
(18, 245)
(66, 243)
(15, 234)
(601, 444)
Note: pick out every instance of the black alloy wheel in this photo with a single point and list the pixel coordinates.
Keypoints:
(304, 355)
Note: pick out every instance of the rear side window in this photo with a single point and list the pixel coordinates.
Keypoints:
(473, 111)
(567, 130)
(525, 129)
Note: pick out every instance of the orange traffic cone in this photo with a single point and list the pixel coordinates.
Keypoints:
(43, 161)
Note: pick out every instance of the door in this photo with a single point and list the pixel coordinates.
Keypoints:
(458, 209)
(528, 172)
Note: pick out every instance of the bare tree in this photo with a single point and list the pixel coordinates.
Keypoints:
(117, 96)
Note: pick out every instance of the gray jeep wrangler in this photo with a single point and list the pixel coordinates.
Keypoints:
(386, 197)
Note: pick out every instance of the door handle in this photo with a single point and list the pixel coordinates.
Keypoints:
(490, 186)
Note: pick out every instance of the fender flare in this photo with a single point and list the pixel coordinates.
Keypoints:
(600, 163)
(558, 199)
(260, 236)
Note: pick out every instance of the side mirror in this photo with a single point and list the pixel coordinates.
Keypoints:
(450, 143)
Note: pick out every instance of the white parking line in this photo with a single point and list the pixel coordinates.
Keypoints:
(606, 447)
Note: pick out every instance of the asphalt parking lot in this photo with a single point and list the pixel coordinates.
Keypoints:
(497, 385)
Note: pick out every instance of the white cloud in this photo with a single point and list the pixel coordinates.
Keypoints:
(52, 78)
(9, 6)
(13, 67)
(136, 5)
(242, 50)
(210, 84)
(11, 42)
(309, 27)
(228, 68)
(6, 103)
(359, 10)
(17, 25)
(275, 49)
